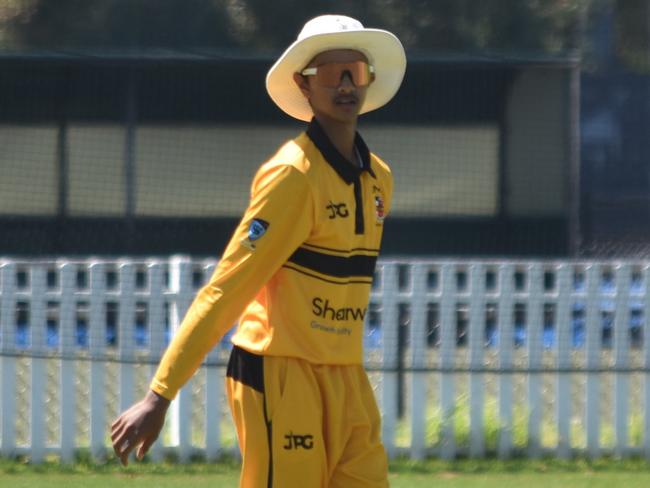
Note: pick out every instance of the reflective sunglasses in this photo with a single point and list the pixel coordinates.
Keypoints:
(331, 74)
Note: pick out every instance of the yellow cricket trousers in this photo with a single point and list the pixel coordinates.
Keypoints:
(303, 425)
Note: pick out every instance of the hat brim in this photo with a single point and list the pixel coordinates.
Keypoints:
(383, 50)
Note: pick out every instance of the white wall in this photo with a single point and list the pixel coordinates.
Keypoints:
(28, 170)
(200, 170)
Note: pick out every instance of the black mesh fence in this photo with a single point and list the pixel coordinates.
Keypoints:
(148, 155)
(521, 128)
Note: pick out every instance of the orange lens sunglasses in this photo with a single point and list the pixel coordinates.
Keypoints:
(331, 74)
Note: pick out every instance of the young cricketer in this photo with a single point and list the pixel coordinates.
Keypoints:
(297, 275)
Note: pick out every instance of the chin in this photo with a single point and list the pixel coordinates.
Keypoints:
(345, 116)
(338, 117)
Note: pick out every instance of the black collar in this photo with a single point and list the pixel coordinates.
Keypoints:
(345, 170)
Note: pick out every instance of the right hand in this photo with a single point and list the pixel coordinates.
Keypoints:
(139, 426)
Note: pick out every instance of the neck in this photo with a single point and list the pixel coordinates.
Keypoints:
(341, 135)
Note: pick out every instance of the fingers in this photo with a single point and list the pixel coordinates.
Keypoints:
(125, 438)
(119, 436)
(144, 447)
(138, 427)
(117, 429)
(125, 444)
(124, 450)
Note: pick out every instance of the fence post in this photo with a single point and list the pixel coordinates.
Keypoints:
(389, 327)
(646, 362)
(213, 395)
(156, 328)
(476, 344)
(563, 348)
(593, 344)
(621, 352)
(8, 335)
(125, 336)
(447, 353)
(67, 334)
(506, 344)
(97, 346)
(37, 327)
(214, 392)
(418, 340)
(180, 284)
(535, 346)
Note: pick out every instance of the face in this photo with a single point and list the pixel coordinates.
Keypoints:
(340, 103)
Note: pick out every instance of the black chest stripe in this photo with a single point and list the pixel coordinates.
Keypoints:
(342, 251)
(337, 266)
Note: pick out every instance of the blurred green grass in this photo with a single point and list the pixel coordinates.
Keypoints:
(632, 473)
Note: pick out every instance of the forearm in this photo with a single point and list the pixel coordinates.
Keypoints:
(205, 323)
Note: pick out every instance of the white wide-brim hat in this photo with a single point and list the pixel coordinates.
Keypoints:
(383, 50)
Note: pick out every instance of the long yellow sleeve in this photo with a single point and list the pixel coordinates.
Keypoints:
(278, 219)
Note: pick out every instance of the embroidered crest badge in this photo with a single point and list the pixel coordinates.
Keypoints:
(256, 230)
(379, 209)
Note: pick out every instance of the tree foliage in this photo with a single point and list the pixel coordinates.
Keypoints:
(60, 24)
(633, 33)
(502, 26)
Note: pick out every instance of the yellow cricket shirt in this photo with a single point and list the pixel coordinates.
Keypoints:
(299, 265)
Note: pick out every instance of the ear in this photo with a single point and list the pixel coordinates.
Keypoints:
(302, 83)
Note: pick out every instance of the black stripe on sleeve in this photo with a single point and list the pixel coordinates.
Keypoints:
(337, 266)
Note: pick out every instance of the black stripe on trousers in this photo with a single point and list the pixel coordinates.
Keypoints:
(337, 266)
(248, 368)
(269, 439)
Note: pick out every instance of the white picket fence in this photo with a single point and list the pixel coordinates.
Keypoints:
(463, 319)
